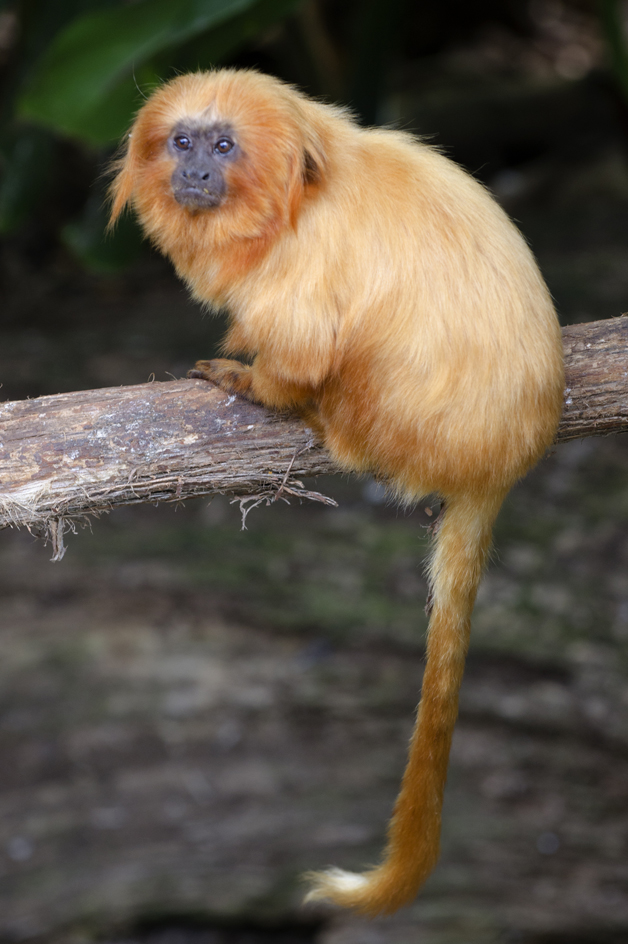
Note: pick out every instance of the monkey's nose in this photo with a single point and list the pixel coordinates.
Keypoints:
(194, 175)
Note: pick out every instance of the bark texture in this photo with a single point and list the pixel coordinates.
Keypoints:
(63, 457)
(596, 387)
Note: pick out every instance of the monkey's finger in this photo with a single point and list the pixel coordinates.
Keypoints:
(207, 370)
(217, 370)
(200, 371)
(229, 375)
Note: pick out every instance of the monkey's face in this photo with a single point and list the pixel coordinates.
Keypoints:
(217, 157)
(201, 156)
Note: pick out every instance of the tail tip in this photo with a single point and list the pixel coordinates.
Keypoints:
(336, 885)
(374, 892)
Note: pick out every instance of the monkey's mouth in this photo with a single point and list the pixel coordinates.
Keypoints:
(197, 198)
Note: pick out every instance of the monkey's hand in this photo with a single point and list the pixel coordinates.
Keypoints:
(231, 376)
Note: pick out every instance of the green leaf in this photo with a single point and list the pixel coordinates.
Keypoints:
(103, 252)
(28, 160)
(379, 30)
(91, 62)
(113, 115)
(617, 40)
(204, 51)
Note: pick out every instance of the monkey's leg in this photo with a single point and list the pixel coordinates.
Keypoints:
(433, 529)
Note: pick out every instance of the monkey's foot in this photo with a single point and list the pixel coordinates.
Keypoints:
(231, 376)
(434, 526)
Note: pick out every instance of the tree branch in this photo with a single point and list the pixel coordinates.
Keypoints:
(76, 454)
(596, 381)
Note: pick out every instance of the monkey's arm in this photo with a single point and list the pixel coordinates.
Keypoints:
(294, 349)
(255, 383)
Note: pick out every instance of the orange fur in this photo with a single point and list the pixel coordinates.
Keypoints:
(382, 291)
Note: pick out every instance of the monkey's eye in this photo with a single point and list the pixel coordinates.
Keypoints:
(223, 146)
(182, 142)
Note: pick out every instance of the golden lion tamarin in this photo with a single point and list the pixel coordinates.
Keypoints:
(382, 292)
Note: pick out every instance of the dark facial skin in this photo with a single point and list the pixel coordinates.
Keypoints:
(201, 153)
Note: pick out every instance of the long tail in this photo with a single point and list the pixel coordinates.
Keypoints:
(462, 545)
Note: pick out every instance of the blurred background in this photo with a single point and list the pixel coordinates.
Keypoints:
(190, 714)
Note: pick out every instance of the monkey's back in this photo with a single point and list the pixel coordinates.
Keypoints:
(447, 369)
